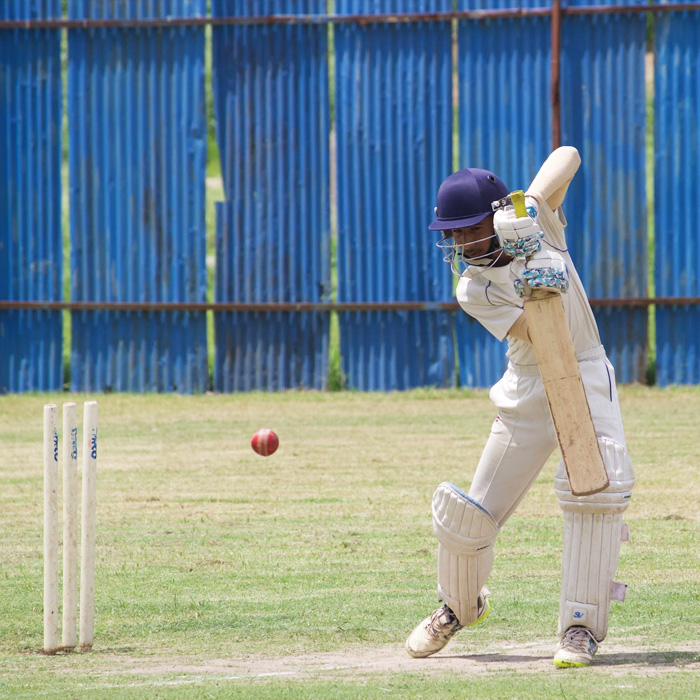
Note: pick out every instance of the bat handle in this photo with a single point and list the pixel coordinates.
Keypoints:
(518, 200)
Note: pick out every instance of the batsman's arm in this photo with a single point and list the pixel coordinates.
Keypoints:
(520, 329)
(554, 177)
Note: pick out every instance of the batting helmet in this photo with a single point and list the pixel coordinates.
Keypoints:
(465, 197)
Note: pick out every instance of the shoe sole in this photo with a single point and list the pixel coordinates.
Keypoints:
(416, 655)
(483, 615)
(571, 664)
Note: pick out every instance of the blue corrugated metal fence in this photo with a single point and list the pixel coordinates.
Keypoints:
(273, 229)
(394, 140)
(31, 258)
(137, 132)
(676, 182)
(137, 157)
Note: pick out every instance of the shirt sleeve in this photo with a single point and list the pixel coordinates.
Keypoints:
(487, 303)
(552, 223)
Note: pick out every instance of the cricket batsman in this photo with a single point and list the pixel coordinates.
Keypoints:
(498, 256)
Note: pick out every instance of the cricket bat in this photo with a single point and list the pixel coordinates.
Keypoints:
(561, 377)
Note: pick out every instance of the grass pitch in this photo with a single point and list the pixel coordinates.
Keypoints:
(224, 574)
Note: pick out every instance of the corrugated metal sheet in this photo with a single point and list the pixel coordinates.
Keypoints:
(273, 232)
(504, 91)
(394, 136)
(137, 149)
(263, 350)
(137, 132)
(30, 199)
(604, 116)
(504, 126)
(676, 184)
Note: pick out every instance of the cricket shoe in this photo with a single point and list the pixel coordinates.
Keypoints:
(436, 630)
(576, 648)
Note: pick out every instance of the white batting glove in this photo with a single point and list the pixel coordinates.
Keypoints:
(519, 237)
(546, 269)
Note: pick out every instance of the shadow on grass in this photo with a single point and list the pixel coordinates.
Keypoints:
(653, 658)
(634, 658)
(83, 652)
(495, 658)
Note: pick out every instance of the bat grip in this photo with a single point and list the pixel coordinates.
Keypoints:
(518, 200)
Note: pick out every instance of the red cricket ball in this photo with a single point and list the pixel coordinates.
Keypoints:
(265, 442)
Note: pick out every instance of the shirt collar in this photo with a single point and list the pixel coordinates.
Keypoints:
(499, 275)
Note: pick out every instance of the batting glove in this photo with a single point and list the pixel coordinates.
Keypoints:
(546, 269)
(519, 237)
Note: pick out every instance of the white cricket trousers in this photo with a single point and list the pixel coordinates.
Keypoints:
(522, 436)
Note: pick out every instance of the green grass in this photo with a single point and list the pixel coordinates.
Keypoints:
(216, 566)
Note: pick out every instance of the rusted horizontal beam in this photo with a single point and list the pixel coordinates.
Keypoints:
(228, 306)
(647, 301)
(630, 9)
(304, 306)
(513, 13)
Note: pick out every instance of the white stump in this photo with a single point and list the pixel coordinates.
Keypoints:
(70, 525)
(88, 526)
(50, 529)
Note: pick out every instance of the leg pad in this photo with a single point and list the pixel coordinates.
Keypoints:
(593, 529)
(466, 533)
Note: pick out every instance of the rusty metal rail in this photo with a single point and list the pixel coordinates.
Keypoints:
(221, 307)
(513, 13)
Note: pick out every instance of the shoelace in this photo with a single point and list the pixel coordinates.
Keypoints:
(435, 626)
(578, 638)
(451, 623)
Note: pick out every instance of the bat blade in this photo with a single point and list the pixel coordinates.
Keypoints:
(566, 396)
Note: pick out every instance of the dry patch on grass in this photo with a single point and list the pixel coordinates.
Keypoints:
(457, 660)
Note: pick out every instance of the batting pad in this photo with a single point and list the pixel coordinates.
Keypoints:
(466, 532)
(593, 529)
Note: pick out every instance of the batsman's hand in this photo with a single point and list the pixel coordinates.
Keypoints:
(519, 237)
(547, 269)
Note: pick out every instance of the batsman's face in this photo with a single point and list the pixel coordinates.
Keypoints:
(474, 241)
(472, 245)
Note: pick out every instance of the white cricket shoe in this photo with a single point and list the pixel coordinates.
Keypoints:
(437, 629)
(576, 648)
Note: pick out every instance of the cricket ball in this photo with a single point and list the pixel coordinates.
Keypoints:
(265, 442)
